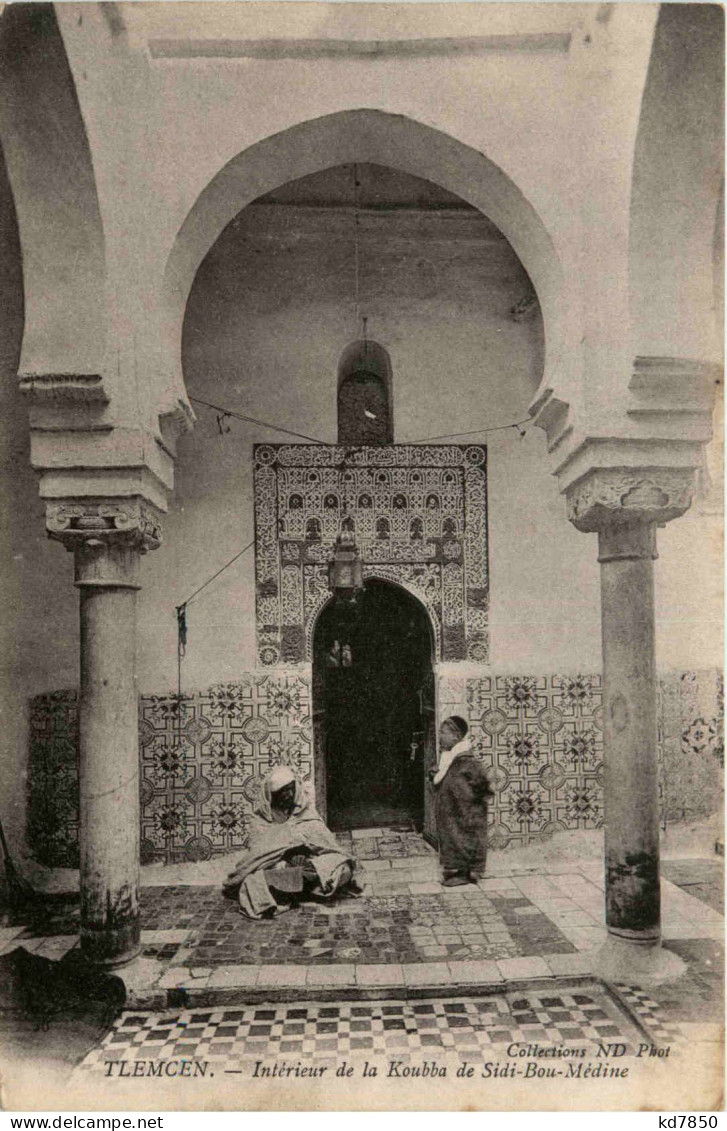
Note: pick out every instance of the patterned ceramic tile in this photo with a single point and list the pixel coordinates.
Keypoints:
(660, 1028)
(201, 763)
(694, 763)
(201, 768)
(540, 737)
(52, 829)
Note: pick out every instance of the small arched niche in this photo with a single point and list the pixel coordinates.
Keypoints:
(365, 401)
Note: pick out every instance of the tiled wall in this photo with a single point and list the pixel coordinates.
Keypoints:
(541, 738)
(200, 769)
(691, 743)
(201, 772)
(52, 826)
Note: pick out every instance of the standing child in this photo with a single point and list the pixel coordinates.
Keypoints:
(462, 791)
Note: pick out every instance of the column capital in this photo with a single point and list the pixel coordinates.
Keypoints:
(605, 498)
(132, 523)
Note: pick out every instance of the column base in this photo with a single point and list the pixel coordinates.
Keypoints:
(120, 960)
(105, 963)
(628, 961)
(107, 950)
(650, 936)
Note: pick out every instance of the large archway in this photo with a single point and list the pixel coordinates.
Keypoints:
(51, 173)
(392, 140)
(373, 689)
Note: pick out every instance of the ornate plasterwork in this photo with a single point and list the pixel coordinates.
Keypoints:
(420, 518)
(420, 581)
(624, 496)
(128, 520)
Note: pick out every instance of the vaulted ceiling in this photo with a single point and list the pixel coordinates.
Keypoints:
(370, 186)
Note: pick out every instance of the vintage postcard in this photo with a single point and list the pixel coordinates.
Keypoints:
(362, 691)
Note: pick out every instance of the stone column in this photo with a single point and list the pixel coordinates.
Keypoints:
(107, 540)
(626, 554)
(624, 508)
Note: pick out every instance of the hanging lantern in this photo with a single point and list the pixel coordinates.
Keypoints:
(345, 571)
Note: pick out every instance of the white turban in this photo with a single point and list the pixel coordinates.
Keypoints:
(279, 777)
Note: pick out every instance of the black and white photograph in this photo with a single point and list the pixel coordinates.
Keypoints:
(362, 689)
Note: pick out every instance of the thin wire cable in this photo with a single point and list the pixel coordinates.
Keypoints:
(181, 611)
(473, 432)
(187, 603)
(254, 420)
(356, 261)
(223, 412)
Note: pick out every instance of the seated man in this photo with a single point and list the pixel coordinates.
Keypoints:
(291, 852)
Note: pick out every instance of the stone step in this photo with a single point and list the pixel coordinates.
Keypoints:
(182, 988)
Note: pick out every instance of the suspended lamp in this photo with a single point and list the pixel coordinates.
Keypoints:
(345, 571)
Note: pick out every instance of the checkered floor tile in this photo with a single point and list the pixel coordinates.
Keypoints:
(660, 1028)
(235, 1039)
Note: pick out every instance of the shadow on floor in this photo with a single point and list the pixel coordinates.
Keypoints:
(54, 1011)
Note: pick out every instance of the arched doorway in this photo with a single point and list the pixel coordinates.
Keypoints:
(374, 705)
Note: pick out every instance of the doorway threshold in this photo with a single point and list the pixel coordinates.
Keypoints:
(384, 842)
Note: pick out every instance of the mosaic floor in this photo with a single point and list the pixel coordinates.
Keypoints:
(195, 926)
(698, 996)
(405, 916)
(388, 928)
(204, 967)
(384, 844)
(457, 1029)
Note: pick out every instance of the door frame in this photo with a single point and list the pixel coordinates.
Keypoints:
(318, 720)
(429, 756)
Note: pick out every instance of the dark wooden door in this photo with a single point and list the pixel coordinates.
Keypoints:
(373, 711)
